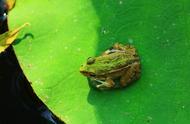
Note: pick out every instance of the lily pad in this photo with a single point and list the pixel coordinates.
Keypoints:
(65, 33)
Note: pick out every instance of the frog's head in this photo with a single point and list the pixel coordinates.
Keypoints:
(87, 68)
(5, 7)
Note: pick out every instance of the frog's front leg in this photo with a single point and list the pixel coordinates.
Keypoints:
(107, 84)
(131, 74)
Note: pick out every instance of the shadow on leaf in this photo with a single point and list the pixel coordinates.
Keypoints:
(27, 35)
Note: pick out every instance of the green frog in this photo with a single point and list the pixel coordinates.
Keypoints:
(120, 62)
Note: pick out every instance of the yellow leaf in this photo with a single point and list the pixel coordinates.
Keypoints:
(7, 38)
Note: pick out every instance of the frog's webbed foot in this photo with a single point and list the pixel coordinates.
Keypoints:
(107, 84)
(132, 74)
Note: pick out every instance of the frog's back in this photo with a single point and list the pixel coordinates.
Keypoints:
(113, 62)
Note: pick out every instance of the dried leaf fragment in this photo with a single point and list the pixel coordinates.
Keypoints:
(7, 38)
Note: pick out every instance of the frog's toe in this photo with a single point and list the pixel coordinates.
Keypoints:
(101, 87)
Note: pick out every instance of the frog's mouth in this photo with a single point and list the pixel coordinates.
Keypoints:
(88, 74)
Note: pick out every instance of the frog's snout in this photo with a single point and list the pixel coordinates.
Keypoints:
(84, 73)
(82, 70)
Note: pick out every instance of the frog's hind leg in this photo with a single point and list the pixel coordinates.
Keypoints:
(107, 52)
(116, 48)
(131, 74)
(107, 84)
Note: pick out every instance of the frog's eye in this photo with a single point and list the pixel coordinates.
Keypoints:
(90, 60)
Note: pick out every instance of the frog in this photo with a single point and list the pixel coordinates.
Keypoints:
(120, 62)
